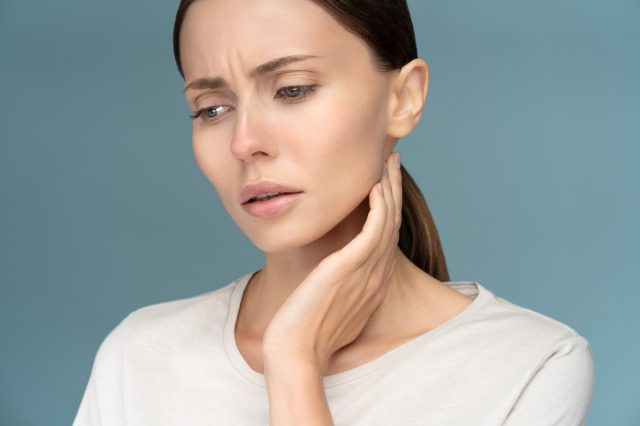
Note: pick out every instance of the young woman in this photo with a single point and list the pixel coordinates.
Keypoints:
(352, 320)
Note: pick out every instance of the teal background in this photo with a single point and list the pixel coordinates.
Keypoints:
(527, 154)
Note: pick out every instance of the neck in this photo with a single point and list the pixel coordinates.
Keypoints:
(284, 271)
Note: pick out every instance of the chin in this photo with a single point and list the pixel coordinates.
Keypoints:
(286, 237)
(277, 243)
(332, 228)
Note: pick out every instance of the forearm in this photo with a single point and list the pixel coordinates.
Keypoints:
(296, 393)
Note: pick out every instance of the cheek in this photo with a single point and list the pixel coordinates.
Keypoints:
(336, 155)
(347, 146)
(332, 148)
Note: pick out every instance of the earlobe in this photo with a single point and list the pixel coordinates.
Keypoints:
(407, 99)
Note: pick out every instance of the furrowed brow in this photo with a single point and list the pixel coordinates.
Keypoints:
(213, 83)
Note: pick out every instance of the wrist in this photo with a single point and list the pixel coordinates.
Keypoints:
(282, 354)
(276, 360)
(296, 391)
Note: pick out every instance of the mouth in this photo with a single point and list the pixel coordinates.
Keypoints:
(265, 189)
(270, 204)
(268, 196)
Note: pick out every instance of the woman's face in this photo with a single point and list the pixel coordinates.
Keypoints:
(329, 142)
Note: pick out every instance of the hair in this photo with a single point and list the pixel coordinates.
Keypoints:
(386, 27)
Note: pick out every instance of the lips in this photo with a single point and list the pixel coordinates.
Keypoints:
(267, 196)
(263, 187)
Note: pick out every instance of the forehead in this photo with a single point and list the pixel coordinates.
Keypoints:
(218, 34)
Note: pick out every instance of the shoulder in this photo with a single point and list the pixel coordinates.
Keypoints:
(498, 335)
(529, 337)
(165, 322)
(555, 363)
(544, 365)
(520, 326)
(553, 338)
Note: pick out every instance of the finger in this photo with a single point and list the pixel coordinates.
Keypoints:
(377, 265)
(389, 228)
(359, 249)
(395, 176)
(395, 180)
(383, 260)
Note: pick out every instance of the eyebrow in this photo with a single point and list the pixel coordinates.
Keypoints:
(266, 68)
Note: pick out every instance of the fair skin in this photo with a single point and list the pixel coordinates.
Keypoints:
(335, 290)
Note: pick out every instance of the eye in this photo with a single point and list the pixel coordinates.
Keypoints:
(209, 113)
(295, 93)
(290, 94)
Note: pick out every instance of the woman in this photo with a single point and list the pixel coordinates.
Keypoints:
(297, 107)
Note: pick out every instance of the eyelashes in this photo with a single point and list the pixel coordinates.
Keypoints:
(289, 94)
(206, 112)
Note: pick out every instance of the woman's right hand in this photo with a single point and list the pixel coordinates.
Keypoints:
(329, 309)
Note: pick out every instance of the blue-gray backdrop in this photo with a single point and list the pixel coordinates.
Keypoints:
(527, 154)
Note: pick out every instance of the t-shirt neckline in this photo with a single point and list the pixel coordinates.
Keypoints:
(469, 288)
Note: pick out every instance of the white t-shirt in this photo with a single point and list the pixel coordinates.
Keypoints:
(494, 363)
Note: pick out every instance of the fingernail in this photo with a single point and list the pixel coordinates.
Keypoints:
(396, 160)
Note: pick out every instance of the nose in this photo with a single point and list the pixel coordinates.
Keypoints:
(251, 138)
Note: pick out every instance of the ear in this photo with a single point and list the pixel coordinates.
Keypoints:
(407, 97)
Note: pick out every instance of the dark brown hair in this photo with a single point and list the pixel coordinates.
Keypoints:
(386, 27)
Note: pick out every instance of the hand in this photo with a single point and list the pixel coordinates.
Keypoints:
(329, 309)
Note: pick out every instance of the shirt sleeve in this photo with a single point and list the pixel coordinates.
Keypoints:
(102, 402)
(560, 391)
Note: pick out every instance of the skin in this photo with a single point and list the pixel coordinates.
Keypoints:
(335, 290)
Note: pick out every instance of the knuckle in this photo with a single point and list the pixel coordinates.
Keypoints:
(350, 262)
(370, 291)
